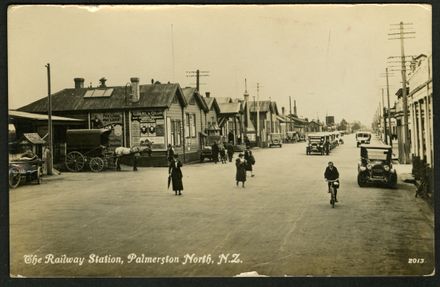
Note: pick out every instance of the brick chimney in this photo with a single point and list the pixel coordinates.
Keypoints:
(79, 83)
(208, 94)
(102, 81)
(294, 108)
(135, 94)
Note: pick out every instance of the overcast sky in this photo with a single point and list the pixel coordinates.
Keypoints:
(329, 58)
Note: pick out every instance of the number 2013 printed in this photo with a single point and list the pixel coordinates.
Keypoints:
(416, 260)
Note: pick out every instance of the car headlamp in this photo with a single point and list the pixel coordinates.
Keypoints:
(386, 167)
(369, 166)
(363, 168)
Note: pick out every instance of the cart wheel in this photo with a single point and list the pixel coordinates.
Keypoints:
(14, 177)
(75, 161)
(96, 164)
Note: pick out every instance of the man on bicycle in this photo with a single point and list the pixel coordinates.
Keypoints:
(331, 173)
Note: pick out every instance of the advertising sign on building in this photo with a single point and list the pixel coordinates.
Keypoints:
(111, 120)
(148, 127)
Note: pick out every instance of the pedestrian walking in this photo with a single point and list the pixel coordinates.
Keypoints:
(170, 153)
(247, 142)
(240, 175)
(175, 173)
(136, 155)
(215, 150)
(223, 153)
(231, 137)
(250, 161)
(230, 151)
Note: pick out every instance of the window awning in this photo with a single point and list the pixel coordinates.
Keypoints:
(33, 138)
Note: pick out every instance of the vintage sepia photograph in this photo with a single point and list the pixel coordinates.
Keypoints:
(158, 141)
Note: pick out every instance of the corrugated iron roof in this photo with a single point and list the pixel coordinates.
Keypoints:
(229, 108)
(264, 106)
(39, 117)
(223, 100)
(151, 96)
(33, 138)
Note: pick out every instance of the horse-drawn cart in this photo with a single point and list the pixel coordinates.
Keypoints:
(88, 148)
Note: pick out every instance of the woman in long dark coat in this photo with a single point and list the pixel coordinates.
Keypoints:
(215, 150)
(176, 174)
(249, 158)
(240, 175)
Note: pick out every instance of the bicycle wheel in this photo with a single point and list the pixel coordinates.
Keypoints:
(333, 200)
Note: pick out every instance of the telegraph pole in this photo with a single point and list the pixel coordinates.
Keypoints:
(401, 35)
(258, 114)
(49, 156)
(389, 111)
(384, 120)
(197, 74)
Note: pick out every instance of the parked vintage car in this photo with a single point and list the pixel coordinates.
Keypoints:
(375, 165)
(362, 138)
(206, 144)
(291, 137)
(275, 140)
(317, 143)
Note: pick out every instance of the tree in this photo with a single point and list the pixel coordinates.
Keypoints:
(342, 125)
(356, 126)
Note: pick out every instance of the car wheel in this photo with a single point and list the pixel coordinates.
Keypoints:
(201, 159)
(392, 181)
(361, 180)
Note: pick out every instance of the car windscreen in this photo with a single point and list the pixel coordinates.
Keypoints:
(377, 154)
(363, 135)
(315, 139)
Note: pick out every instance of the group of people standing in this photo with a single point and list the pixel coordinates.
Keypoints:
(244, 163)
(223, 150)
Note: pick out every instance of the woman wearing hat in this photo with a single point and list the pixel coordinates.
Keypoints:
(175, 173)
(240, 175)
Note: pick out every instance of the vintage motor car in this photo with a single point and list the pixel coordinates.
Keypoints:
(376, 165)
(275, 140)
(363, 138)
(317, 143)
(207, 143)
(292, 137)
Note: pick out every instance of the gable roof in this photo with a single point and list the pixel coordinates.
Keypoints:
(151, 96)
(190, 93)
(212, 103)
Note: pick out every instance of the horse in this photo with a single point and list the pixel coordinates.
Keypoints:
(134, 152)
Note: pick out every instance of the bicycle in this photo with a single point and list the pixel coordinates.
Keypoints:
(333, 185)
